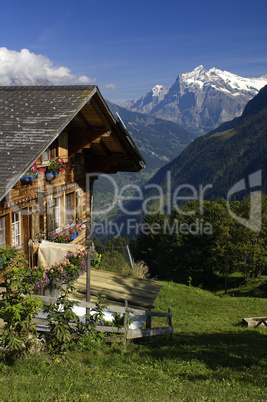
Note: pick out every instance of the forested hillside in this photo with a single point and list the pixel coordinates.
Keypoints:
(201, 241)
(214, 162)
(159, 141)
(222, 158)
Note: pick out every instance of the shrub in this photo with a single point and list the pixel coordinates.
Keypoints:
(141, 270)
(18, 309)
(6, 256)
(66, 330)
(96, 260)
(65, 271)
(114, 261)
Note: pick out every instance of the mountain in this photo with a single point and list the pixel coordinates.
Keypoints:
(149, 100)
(214, 162)
(200, 100)
(222, 158)
(158, 140)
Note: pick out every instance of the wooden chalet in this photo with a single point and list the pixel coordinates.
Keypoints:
(39, 124)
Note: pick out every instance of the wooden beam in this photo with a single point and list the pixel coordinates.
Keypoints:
(98, 144)
(85, 122)
(81, 138)
(106, 159)
(101, 114)
(140, 333)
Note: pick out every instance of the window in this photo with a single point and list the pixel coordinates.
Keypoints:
(50, 152)
(68, 209)
(79, 205)
(2, 232)
(57, 213)
(53, 215)
(16, 229)
(34, 220)
(46, 155)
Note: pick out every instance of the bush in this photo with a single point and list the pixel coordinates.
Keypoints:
(65, 271)
(96, 260)
(141, 270)
(66, 330)
(114, 261)
(19, 307)
(6, 255)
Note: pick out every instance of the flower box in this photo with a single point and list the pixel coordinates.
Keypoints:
(56, 166)
(69, 233)
(30, 175)
(49, 176)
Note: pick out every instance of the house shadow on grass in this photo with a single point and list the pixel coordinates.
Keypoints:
(242, 355)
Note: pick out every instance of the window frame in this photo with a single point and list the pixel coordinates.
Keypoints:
(57, 213)
(16, 228)
(53, 215)
(51, 152)
(3, 231)
(68, 212)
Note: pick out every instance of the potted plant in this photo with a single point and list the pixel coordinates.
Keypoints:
(62, 237)
(69, 233)
(40, 236)
(55, 167)
(74, 230)
(49, 175)
(30, 175)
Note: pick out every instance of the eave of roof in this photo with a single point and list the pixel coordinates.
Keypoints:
(31, 118)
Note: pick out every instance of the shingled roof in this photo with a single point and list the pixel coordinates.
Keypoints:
(31, 118)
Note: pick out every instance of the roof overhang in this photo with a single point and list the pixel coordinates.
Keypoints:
(31, 118)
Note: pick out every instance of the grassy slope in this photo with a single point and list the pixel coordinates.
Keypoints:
(211, 358)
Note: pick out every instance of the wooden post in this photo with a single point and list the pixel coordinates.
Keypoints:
(125, 323)
(170, 322)
(148, 320)
(88, 272)
(30, 244)
(148, 325)
(226, 265)
(88, 239)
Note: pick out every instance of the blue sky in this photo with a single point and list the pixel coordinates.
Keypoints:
(127, 47)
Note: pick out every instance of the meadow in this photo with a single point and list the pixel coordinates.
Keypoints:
(212, 357)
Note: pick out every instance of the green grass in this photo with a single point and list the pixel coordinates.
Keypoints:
(239, 288)
(225, 134)
(212, 358)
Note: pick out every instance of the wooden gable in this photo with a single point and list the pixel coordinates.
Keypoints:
(32, 118)
(41, 123)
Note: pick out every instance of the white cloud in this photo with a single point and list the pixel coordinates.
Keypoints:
(110, 87)
(26, 68)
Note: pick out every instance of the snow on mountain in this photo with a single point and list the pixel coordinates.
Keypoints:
(159, 91)
(201, 99)
(148, 101)
(224, 81)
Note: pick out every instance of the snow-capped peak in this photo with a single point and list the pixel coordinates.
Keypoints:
(201, 99)
(198, 73)
(200, 70)
(222, 81)
(149, 100)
